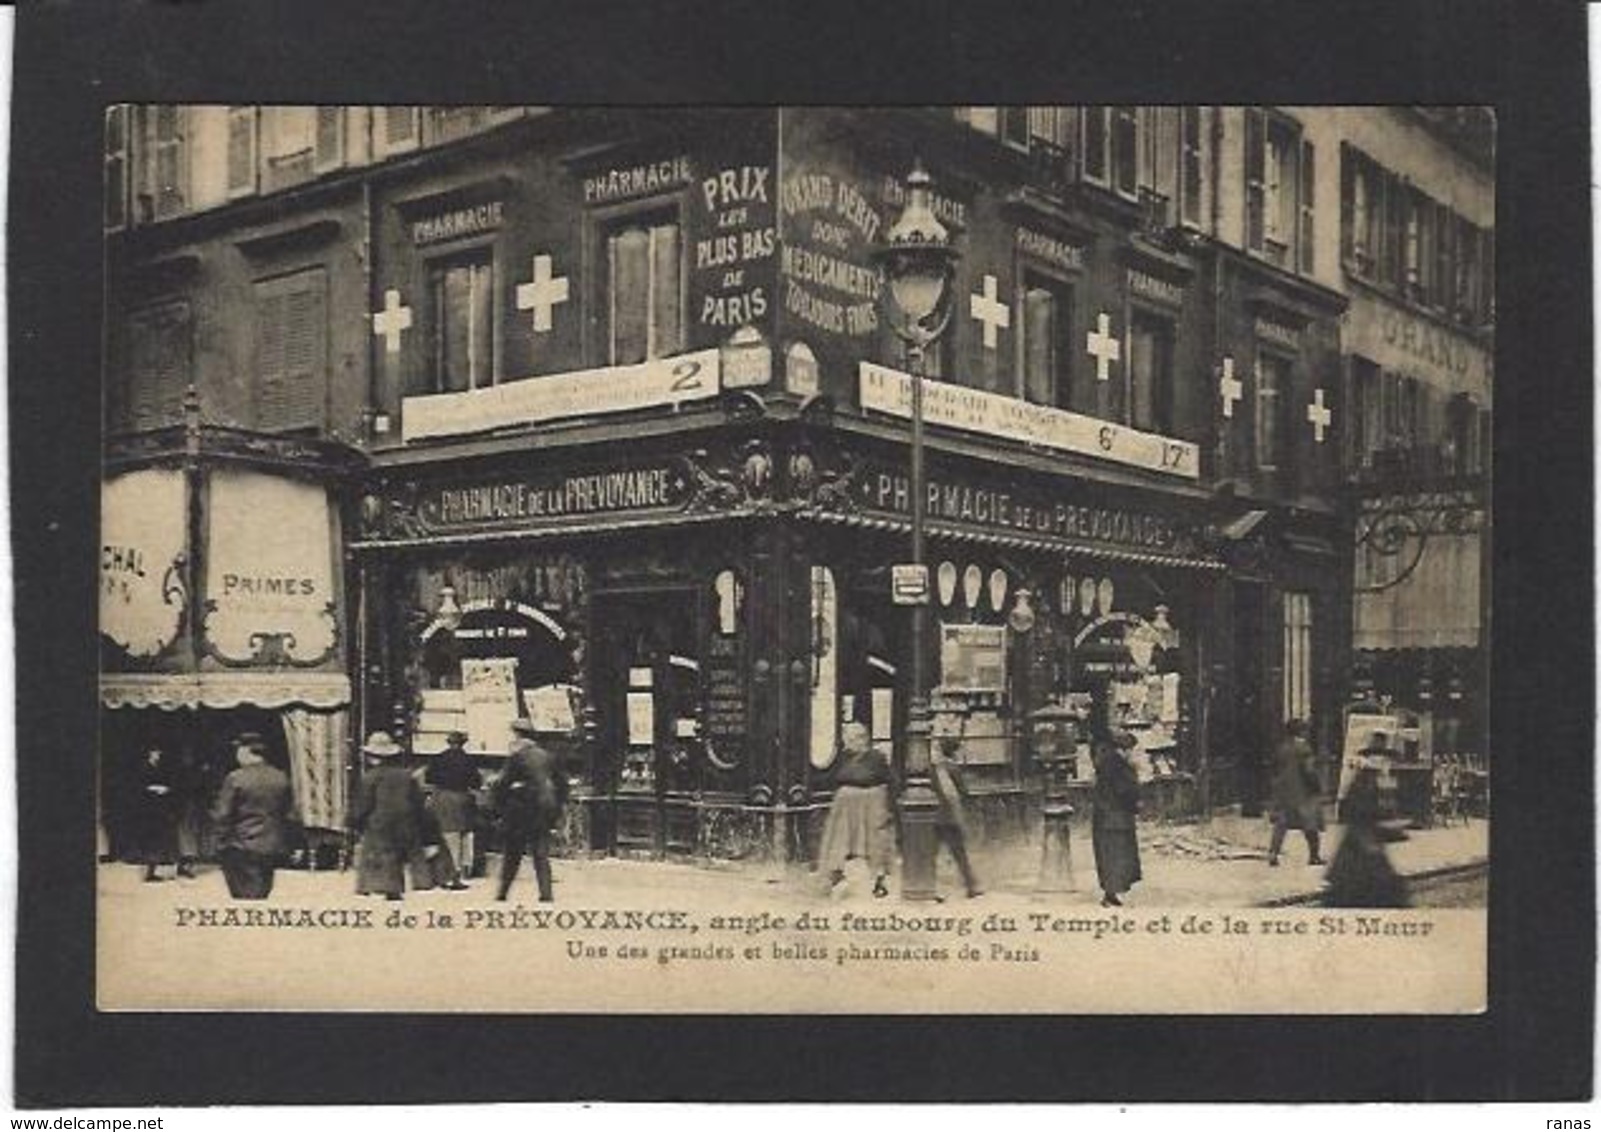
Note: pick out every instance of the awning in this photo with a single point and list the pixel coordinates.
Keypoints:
(1044, 543)
(172, 691)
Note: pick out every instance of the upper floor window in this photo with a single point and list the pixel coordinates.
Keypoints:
(1279, 181)
(157, 349)
(164, 174)
(461, 291)
(1045, 339)
(1191, 180)
(1272, 382)
(291, 351)
(643, 310)
(117, 133)
(1111, 147)
(1150, 372)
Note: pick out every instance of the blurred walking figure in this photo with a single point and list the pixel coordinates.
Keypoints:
(1296, 801)
(387, 818)
(859, 820)
(1113, 832)
(1361, 875)
(951, 824)
(530, 795)
(433, 865)
(252, 815)
(454, 778)
(156, 811)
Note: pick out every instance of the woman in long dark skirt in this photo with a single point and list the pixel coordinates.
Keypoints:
(1117, 800)
(156, 809)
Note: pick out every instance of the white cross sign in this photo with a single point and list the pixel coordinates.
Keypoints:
(390, 322)
(1103, 347)
(989, 310)
(542, 294)
(1320, 416)
(1230, 386)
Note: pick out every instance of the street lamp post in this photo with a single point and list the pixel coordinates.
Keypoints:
(917, 262)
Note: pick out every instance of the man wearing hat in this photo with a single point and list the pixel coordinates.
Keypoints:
(253, 810)
(530, 795)
(387, 818)
(453, 778)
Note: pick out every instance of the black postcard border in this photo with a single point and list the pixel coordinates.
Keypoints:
(1527, 59)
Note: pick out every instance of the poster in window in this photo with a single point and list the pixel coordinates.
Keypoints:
(973, 657)
(641, 719)
(489, 695)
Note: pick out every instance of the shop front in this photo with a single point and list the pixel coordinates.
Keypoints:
(221, 612)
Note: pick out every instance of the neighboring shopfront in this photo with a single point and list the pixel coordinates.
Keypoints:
(222, 611)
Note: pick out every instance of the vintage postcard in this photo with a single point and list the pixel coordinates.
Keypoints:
(796, 559)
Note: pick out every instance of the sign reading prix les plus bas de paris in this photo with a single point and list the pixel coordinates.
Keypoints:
(973, 410)
(616, 389)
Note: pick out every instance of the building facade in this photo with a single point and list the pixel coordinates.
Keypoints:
(601, 420)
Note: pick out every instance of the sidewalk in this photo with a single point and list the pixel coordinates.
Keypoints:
(1219, 864)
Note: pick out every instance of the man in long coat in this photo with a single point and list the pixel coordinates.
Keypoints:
(252, 813)
(1296, 804)
(387, 818)
(1113, 829)
(530, 795)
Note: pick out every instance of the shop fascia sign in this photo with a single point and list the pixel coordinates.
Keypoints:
(585, 393)
(889, 391)
(553, 498)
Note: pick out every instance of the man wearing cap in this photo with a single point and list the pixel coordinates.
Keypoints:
(387, 818)
(530, 795)
(453, 778)
(252, 814)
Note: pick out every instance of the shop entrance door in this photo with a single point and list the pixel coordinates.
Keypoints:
(1249, 667)
(647, 691)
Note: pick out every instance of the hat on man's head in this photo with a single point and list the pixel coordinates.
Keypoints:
(380, 745)
(251, 740)
(456, 739)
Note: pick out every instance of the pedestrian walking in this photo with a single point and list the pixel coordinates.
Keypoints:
(156, 813)
(1297, 802)
(950, 824)
(859, 821)
(253, 811)
(387, 819)
(453, 779)
(1113, 833)
(1361, 876)
(530, 795)
(433, 865)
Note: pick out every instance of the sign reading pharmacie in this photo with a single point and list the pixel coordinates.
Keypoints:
(1015, 510)
(889, 391)
(615, 389)
(538, 500)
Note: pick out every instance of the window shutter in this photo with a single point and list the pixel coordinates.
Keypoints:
(1095, 143)
(1307, 200)
(169, 168)
(158, 365)
(667, 308)
(1353, 208)
(291, 352)
(330, 144)
(1190, 164)
(1125, 150)
(397, 129)
(1255, 178)
(116, 167)
(242, 135)
(1014, 126)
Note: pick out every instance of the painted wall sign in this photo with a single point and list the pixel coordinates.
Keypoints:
(459, 222)
(143, 541)
(892, 191)
(552, 497)
(1149, 286)
(974, 410)
(1399, 339)
(1050, 249)
(829, 278)
(269, 589)
(1008, 509)
(638, 180)
(740, 232)
(1277, 333)
(617, 389)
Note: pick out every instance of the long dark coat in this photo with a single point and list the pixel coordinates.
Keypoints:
(156, 808)
(1112, 829)
(253, 810)
(1295, 786)
(533, 789)
(388, 817)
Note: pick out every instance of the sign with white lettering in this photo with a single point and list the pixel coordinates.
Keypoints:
(638, 180)
(1399, 339)
(973, 410)
(1051, 250)
(489, 696)
(518, 502)
(459, 222)
(617, 389)
(143, 536)
(270, 596)
(1148, 286)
